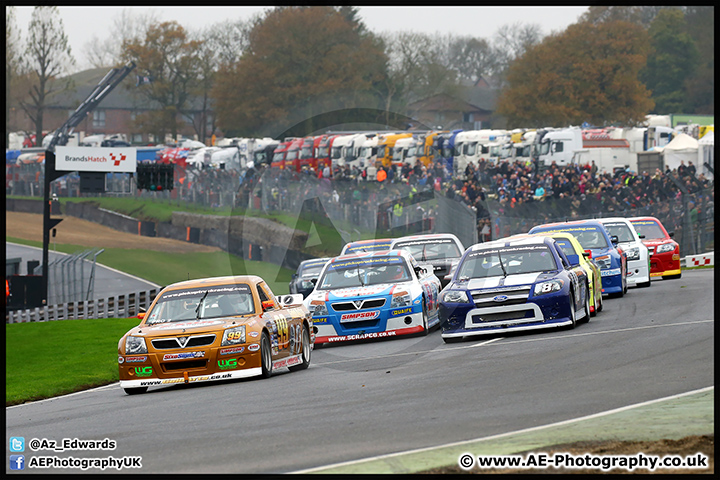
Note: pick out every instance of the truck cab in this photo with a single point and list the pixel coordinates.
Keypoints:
(279, 154)
(386, 143)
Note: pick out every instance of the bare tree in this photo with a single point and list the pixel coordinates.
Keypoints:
(12, 63)
(130, 26)
(230, 39)
(47, 57)
(472, 57)
(511, 42)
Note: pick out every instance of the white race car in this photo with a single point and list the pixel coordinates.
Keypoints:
(638, 263)
(373, 295)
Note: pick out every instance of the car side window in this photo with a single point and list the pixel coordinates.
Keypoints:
(261, 294)
(561, 254)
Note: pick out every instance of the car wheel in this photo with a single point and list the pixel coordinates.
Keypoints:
(586, 318)
(424, 319)
(599, 304)
(265, 356)
(573, 315)
(306, 351)
(135, 390)
(672, 277)
(625, 287)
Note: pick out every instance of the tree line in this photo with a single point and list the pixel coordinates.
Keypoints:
(298, 69)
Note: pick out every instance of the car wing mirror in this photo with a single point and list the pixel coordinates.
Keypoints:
(588, 254)
(614, 239)
(672, 234)
(268, 305)
(290, 299)
(141, 315)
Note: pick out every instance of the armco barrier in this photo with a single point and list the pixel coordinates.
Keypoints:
(706, 259)
(120, 306)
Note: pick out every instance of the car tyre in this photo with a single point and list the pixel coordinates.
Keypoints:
(625, 286)
(586, 318)
(672, 277)
(305, 353)
(573, 315)
(265, 356)
(135, 390)
(599, 304)
(424, 319)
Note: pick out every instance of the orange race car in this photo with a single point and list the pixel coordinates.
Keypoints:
(215, 329)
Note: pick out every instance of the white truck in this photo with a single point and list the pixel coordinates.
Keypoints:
(522, 150)
(404, 151)
(338, 150)
(365, 147)
(471, 146)
(574, 146)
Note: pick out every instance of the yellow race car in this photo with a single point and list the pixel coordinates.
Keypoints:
(570, 246)
(215, 329)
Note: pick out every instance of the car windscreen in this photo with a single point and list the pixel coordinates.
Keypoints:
(649, 228)
(312, 269)
(494, 262)
(566, 246)
(622, 230)
(372, 246)
(200, 303)
(436, 249)
(589, 236)
(362, 272)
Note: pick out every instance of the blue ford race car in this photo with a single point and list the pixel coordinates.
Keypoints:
(373, 295)
(511, 285)
(604, 249)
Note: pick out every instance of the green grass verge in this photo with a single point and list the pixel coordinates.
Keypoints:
(43, 359)
(47, 359)
(165, 268)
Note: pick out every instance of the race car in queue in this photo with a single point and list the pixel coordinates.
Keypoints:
(573, 250)
(304, 278)
(513, 285)
(664, 251)
(603, 248)
(215, 329)
(638, 257)
(364, 246)
(441, 250)
(373, 295)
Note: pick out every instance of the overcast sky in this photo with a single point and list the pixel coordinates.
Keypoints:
(82, 24)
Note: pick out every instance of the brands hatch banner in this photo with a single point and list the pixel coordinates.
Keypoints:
(96, 159)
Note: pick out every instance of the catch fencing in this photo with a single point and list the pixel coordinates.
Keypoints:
(119, 306)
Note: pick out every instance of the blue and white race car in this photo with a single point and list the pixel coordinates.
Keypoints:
(373, 295)
(604, 249)
(510, 285)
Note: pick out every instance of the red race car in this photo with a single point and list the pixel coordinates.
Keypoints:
(664, 251)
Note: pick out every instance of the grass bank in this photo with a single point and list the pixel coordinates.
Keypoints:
(165, 268)
(47, 359)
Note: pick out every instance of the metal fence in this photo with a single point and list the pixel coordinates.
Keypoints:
(689, 216)
(119, 306)
(71, 278)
